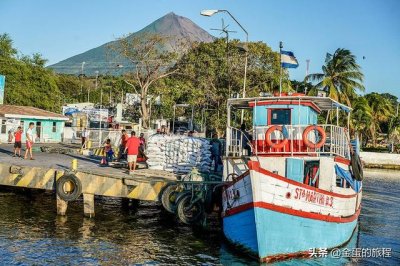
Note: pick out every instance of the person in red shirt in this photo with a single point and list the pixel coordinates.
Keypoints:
(132, 149)
(124, 139)
(18, 143)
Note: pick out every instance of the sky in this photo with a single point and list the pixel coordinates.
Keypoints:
(309, 28)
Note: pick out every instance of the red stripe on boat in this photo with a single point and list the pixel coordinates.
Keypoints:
(342, 160)
(292, 102)
(290, 211)
(253, 165)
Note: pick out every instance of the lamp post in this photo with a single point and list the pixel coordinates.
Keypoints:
(211, 12)
(101, 106)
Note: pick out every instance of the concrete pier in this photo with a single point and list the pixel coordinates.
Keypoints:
(381, 160)
(47, 168)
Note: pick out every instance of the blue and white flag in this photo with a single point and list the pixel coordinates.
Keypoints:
(288, 60)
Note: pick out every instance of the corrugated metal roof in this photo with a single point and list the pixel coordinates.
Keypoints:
(324, 103)
(28, 111)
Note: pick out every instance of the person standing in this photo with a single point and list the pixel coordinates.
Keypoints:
(29, 141)
(142, 146)
(85, 137)
(122, 145)
(216, 149)
(246, 139)
(17, 143)
(132, 149)
(108, 151)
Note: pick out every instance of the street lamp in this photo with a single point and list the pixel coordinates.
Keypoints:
(211, 12)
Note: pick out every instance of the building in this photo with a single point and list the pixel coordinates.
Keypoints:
(49, 126)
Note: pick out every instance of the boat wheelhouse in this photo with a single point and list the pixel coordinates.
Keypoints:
(295, 183)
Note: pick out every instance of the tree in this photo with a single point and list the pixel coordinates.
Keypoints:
(36, 59)
(6, 46)
(301, 86)
(381, 111)
(341, 76)
(27, 83)
(202, 79)
(151, 59)
(361, 119)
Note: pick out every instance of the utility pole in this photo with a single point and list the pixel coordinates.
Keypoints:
(101, 106)
(83, 64)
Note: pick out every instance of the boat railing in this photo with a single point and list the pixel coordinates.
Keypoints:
(238, 142)
(336, 143)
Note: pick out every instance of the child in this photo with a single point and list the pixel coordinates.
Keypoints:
(108, 151)
(17, 143)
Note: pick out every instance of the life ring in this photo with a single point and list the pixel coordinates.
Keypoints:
(74, 190)
(310, 144)
(268, 137)
(356, 167)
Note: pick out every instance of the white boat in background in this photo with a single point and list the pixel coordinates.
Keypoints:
(300, 188)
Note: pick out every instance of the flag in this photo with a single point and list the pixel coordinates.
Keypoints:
(288, 60)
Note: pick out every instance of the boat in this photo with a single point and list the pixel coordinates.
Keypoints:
(294, 184)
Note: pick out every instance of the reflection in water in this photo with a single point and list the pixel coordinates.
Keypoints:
(32, 233)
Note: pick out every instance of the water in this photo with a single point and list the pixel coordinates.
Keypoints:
(32, 234)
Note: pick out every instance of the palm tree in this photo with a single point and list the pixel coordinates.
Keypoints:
(381, 110)
(341, 76)
(361, 119)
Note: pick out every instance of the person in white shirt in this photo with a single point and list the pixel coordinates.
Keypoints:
(29, 141)
(85, 137)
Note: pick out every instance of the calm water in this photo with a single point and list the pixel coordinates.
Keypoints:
(32, 234)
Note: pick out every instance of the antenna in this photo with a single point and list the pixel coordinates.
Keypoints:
(224, 29)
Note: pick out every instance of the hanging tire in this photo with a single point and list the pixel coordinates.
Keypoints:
(68, 187)
(188, 212)
(168, 197)
(356, 167)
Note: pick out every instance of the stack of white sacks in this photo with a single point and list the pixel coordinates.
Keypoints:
(178, 154)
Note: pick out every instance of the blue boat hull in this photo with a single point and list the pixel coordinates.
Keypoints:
(267, 233)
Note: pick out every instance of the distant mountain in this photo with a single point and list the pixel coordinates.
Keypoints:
(105, 61)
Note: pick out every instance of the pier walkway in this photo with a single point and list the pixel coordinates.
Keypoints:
(47, 168)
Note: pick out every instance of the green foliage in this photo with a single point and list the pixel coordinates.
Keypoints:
(374, 113)
(341, 76)
(31, 85)
(151, 63)
(205, 77)
(210, 73)
(6, 47)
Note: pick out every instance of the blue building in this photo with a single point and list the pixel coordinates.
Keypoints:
(49, 126)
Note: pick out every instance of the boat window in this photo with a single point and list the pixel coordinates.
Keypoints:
(311, 173)
(279, 116)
